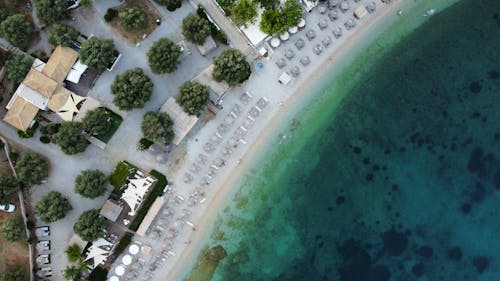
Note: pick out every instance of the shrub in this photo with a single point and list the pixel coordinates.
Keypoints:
(52, 207)
(163, 56)
(91, 183)
(8, 187)
(32, 168)
(44, 139)
(132, 18)
(144, 144)
(12, 228)
(15, 273)
(132, 89)
(110, 14)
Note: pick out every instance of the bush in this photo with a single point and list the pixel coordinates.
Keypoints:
(120, 175)
(163, 56)
(52, 207)
(32, 168)
(110, 14)
(98, 274)
(196, 29)
(244, 11)
(62, 34)
(132, 18)
(132, 89)
(97, 121)
(8, 187)
(193, 97)
(144, 144)
(91, 183)
(70, 138)
(12, 228)
(231, 66)
(50, 129)
(30, 225)
(124, 242)
(98, 53)
(18, 67)
(51, 11)
(73, 253)
(90, 225)
(44, 139)
(158, 126)
(14, 156)
(15, 273)
(171, 5)
(216, 32)
(18, 30)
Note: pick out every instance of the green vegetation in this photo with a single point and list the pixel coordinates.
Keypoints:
(12, 228)
(244, 11)
(231, 66)
(158, 126)
(18, 68)
(18, 31)
(62, 34)
(29, 132)
(15, 273)
(91, 183)
(193, 97)
(196, 29)
(90, 225)
(98, 274)
(52, 207)
(214, 30)
(227, 5)
(110, 14)
(132, 89)
(124, 242)
(171, 5)
(132, 18)
(32, 168)
(72, 273)
(8, 187)
(4, 13)
(120, 175)
(48, 131)
(51, 11)
(144, 144)
(73, 253)
(268, 4)
(70, 138)
(98, 53)
(163, 56)
(102, 123)
(276, 22)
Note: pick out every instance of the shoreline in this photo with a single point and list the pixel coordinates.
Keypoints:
(294, 102)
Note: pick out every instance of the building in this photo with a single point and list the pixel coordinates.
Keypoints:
(218, 90)
(183, 122)
(43, 89)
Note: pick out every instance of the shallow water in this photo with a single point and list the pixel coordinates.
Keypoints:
(401, 183)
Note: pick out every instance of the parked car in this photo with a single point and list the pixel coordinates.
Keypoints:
(9, 208)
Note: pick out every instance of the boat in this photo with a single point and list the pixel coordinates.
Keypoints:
(429, 12)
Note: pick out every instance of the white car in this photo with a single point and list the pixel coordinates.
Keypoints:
(9, 208)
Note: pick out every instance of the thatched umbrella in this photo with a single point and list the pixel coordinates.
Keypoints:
(327, 41)
(317, 49)
(300, 43)
(323, 23)
(305, 60)
(311, 34)
(281, 62)
(337, 32)
(371, 7)
(332, 4)
(344, 6)
(333, 15)
(295, 71)
(289, 53)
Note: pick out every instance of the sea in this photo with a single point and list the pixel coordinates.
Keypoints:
(398, 180)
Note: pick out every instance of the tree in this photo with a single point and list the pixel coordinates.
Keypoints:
(90, 225)
(232, 67)
(157, 126)
(244, 11)
(32, 168)
(292, 12)
(51, 11)
(62, 34)
(18, 30)
(73, 253)
(12, 228)
(268, 4)
(86, 3)
(193, 97)
(171, 5)
(132, 18)
(18, 68)
(132, 89)
(70, 138)
(97, 121)
(91, 183)
(98, 53)
(52, 207)
(15, 273)
(8, 187)
(196, 29)
(4, 13)
(272, 22)
(72, 273)
(164, 56)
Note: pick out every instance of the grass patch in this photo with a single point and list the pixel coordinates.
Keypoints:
(156, 192)
(217, 33)
(114, 124)
(120, 175)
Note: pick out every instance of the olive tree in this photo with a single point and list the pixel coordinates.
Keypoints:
(98, 53)
(15, 273)
(97, 121)
(52, 207)
(231, 66)
(91, 183)
(292, 12)
(51, 11)
(132, 89)
(193, 97)
(12, 228)
(8, 187)
(62, 34)
(18, 30)
(244, 11)
(70, 138)
(31, 168)
(196, 29)
(163, 56)
(157, 126)
(272, 22)
(90, 225)
(132, 18)
(18, 67)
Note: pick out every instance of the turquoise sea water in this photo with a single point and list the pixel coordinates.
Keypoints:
(400, 182)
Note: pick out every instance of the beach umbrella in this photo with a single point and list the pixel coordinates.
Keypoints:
(281, 62)
(305, 60)
(285, 36)
(295, 71)
(371, 7)
(293, 29)
(300, 43)
(289, 53)
(332, 4)
(127, 259)
(133, 249)
(311, 34)
(333, 15)
(302, 23)
(344, 6)
(327, 41)
(337, 32)
(275, 42)
(119, 270)
(317, 49)
(322, 9)
(323, 23)
(114, 278)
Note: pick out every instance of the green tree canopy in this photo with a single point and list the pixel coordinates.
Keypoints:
(52, 207)
(232, 67)
(171, 5)
(74, 253)
(8, 187)
(132, 18)
(97, 121)
(62, 34)
(272, 22)
(70, 138)
(32, 168)
(12, 228)
(18, 30)
(91, 183)
(90, 225)
(268, 4)
(51, 11)
(196, 29)
(72, 273)
(4, 13)
(193, 97)
(15, 273)
(132, 89)
(18, 68)
(157, 126)
(244, 11)
(163, 56)
(98, 53)
(292, 12)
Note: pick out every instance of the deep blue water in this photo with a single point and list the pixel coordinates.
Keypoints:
(404, 181)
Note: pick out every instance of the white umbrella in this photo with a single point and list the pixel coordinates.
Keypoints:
(127, 259)
(133, 249)
(285, 36)
(120, 270)
(302, 23)
(293, 29)
(114, 278)
(275, 42)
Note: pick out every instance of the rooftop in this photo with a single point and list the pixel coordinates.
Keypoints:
(183, 122)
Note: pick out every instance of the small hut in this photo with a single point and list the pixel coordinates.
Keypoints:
(300, 43)
(333, 15)
(327, 41)
(337, 32)
(295, 71)
(322, 24)
(305, 61)
(281, 62)
(371, 7)
(311, 34)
